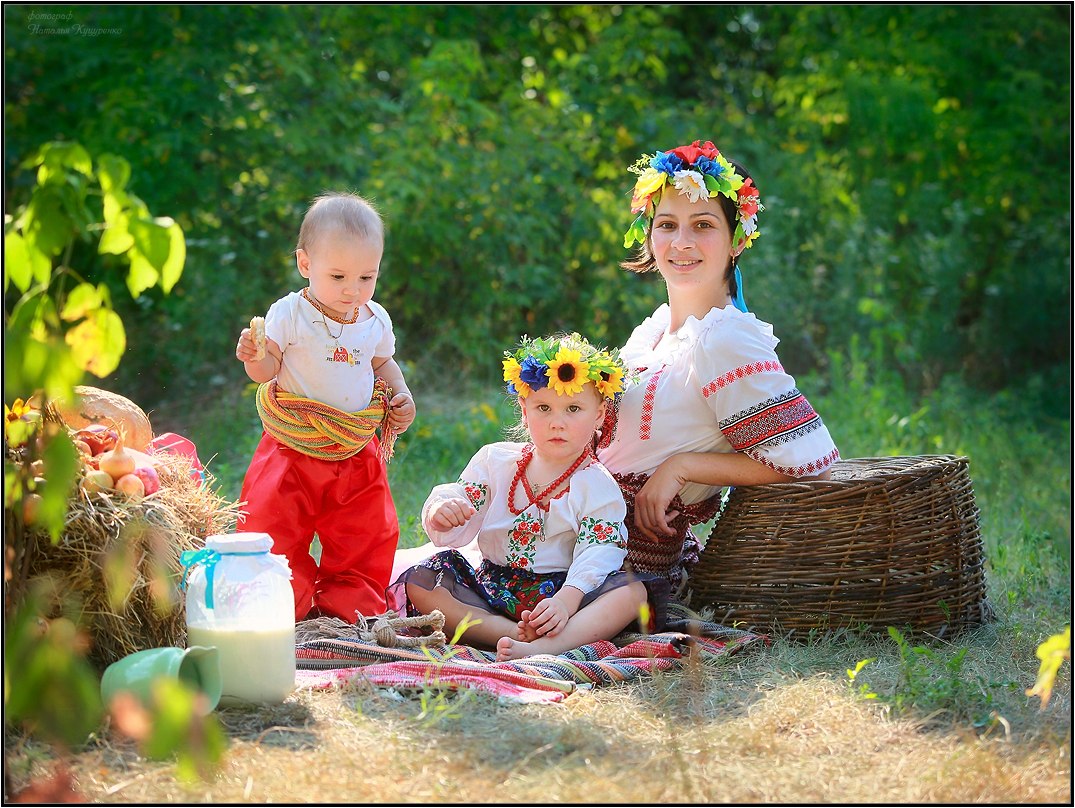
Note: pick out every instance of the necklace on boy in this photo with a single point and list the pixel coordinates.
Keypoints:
(535, 498)
(334, 337)
(328, 314)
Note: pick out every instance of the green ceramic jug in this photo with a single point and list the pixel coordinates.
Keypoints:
(197, 666)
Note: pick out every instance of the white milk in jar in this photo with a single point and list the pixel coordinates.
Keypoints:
(240, 601)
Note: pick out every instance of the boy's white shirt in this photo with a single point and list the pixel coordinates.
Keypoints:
(338, 372)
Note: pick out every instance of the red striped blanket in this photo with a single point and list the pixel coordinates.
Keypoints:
(333, 661)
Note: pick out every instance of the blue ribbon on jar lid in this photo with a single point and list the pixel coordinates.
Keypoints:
(192, 558)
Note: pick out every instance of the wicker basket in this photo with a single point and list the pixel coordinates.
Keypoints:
(891, 541)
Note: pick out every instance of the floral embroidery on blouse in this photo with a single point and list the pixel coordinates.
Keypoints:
(600, 531)
(725, 379)
(477, 493)
(647, 406)
(522, 541)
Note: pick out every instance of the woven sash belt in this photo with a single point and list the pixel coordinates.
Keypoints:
(320, 430)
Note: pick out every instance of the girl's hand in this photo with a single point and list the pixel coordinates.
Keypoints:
(652, 516)
(449, 514)
(401, 412)
(547, 619)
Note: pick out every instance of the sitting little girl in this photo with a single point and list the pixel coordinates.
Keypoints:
(547, 518)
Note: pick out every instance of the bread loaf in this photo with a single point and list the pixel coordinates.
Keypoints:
(257, 333)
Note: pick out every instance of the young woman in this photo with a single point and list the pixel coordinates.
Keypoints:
(712, 405)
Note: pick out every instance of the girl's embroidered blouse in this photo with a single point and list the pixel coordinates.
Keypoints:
(583, 529)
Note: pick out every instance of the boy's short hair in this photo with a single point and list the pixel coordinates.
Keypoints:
(340, 211)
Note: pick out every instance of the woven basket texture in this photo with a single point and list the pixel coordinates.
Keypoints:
(888, 541)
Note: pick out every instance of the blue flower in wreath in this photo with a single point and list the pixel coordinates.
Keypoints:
(534, 373)
(706, 166)
(667, 162)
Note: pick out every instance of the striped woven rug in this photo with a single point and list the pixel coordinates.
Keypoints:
(336, 660)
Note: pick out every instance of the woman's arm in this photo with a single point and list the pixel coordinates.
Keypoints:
(652, 516)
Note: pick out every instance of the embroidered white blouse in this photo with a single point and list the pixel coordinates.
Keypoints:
(582, 532)
(326, 360)
(716, 385)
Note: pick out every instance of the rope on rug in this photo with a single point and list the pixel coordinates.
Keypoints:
(383, 629)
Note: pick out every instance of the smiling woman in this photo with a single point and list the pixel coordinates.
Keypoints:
(713, 406)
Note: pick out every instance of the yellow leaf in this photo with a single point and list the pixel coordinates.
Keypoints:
(98, 342)
(1052, 653)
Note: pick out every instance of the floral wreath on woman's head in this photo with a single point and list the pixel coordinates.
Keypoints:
(699, 171)
(565, 364)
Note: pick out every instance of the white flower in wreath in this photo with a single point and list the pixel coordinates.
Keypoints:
(692, 184)
(750, 224)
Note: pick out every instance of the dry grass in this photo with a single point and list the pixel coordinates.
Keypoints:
(766, 727)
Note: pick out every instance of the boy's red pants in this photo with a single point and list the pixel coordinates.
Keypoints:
(347, 503)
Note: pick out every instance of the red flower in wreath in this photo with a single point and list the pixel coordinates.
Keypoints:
(697, 149)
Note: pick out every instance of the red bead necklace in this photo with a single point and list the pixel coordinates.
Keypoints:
(321, 308)
(535, 499)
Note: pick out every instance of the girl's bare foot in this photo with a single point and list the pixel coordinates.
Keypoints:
(508, 649)
(526, 632)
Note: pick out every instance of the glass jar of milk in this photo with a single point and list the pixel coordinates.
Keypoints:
(239, 599)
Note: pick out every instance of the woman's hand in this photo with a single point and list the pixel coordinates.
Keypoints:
(450, 513)
(401, 412)
(652, 516)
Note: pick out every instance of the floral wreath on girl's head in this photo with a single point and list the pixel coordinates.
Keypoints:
(565, 364)
(699, 171)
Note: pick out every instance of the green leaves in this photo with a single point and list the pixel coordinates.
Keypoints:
(24, 263)
(61, 211)
(180, 729)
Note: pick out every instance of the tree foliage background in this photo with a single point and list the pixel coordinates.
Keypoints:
(914, 162)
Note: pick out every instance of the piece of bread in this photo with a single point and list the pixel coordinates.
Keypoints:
(257, 333)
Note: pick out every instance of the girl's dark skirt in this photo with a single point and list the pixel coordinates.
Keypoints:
(507, 591)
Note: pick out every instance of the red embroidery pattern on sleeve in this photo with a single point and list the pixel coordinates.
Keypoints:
(647, 406)
(814, 467)
(768, 366)
(777, 420)
(600, 531)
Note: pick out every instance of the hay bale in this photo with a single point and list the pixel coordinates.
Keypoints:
(117, 565)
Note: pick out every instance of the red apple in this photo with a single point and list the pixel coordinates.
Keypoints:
(150, 479)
